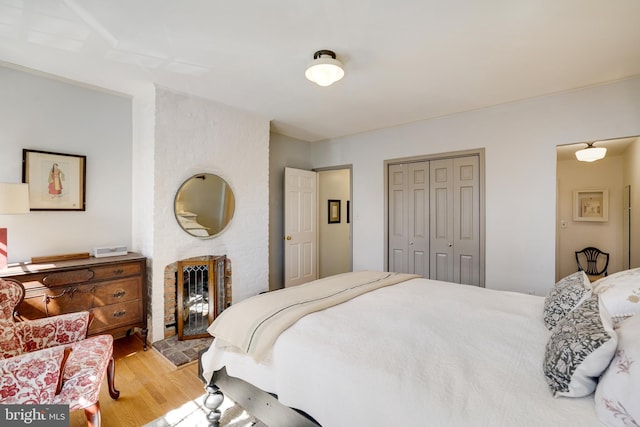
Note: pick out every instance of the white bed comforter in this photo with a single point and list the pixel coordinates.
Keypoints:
(419, 353)
(253, 325)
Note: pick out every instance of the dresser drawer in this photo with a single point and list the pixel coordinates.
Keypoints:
(117, 291)
(67, 277)
(36, 280)
(116, 271)
(115, 315)
(82, 275)
(43, 302)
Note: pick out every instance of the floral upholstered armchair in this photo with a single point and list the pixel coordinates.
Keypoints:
(51, 360)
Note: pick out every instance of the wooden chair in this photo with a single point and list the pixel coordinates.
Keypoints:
(51, 360)
(592, 261)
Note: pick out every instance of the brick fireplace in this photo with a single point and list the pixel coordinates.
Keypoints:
(170, 292)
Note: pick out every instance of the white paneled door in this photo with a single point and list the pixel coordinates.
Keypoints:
(300, 226)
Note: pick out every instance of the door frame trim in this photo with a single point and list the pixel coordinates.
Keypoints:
(480, 152)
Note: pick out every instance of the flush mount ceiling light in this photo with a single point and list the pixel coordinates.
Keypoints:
(325, 68)
(591, 153)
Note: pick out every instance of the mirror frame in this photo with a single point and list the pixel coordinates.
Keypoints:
(189, 217)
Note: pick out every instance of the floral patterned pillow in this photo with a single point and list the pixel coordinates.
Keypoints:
(580, 348)
(620, 293)
(567, 294)
(618, 393)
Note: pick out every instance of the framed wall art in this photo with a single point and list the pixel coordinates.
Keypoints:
(334, 211)
(591, 205)
(56, 180)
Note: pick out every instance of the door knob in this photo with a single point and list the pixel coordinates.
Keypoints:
(450, 245)
(287, 237)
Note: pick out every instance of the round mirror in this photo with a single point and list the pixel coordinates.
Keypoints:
(204, 205)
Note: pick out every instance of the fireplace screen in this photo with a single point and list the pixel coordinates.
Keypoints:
(200, 289)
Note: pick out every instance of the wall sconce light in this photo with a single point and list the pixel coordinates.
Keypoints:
(325, 69)
(591, 153)
(14, 199)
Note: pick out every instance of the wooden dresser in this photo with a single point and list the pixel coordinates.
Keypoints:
(114, 289)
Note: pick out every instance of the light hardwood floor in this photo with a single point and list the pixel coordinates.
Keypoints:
(150, 386)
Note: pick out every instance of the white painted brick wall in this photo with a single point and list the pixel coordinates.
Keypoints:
(194, 135)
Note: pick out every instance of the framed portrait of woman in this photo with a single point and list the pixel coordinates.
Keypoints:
(56, 180)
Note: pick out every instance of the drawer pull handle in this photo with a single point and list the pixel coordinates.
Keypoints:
(118, 272)
(46, 299)
(119, 293)
(119, 313)
(71, 292)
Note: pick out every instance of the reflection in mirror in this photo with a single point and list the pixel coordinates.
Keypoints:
(204, 205)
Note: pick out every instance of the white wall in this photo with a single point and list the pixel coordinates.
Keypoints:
(607, 236)
(143, 155)
(193, 135)
(41, 113)
(520, 141)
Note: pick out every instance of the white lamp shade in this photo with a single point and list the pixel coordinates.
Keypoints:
(324, 71)
(14, 198)
(591, 154)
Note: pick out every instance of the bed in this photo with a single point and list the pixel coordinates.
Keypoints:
(188, 221)
(423, 352)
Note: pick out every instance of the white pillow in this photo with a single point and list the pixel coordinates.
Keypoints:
(566, 295)
(580, 348)
(620, 293)
(618, 393)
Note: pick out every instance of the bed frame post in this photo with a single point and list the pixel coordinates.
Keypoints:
(259, 404)
(214, 397)
(212, 401)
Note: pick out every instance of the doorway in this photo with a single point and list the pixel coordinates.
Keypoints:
(334, 222)
(317, 224)
(619, 174)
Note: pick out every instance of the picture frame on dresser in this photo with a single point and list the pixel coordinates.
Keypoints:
(57, 181)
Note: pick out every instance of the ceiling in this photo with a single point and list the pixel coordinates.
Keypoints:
(405, 60)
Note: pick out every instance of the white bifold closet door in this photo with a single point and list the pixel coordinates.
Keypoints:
(434, 219)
